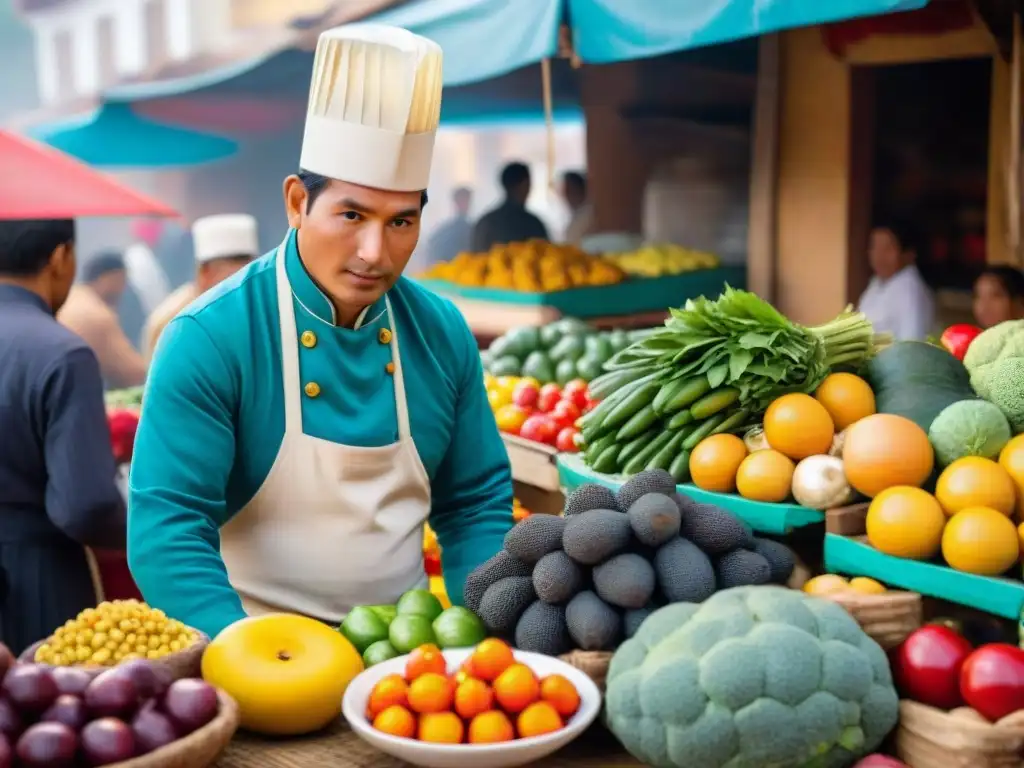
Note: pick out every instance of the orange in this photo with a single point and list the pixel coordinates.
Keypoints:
(980, 540)
(441, 728)
(765, 476)
(430, 693)
(974, 481)
(1011, 458)
(490, 659)
(883, 451)
(491, 728)
(473, 697)
(425, 659)
(826, 584)
(388, 692)
(905, 522)
(865, 586)
(516, 688)
(538, 719)
(798, 426)
(561, 694)
(847, 398)
(396, 721)
(715, 461)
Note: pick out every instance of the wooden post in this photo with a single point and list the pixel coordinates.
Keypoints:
(764, 171)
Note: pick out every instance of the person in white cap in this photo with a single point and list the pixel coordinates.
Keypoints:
(223, 245)
(303, 420)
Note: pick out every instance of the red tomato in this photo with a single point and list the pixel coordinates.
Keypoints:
(566, 440)
(565, 413)
(548, 398)
(957, 338)
(576, 391)
(539, 428)
(525, 394)
(927, 666)
(123, 424)
(992, 680)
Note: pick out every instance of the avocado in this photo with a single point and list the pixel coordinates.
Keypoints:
(569, 348)
(618, 339)
(522, 341)
(539, 366)
(550, 335)
(599, 346)
(589, 368)
(573, 325)
(499, 348)
(565, 372)
(506, 366)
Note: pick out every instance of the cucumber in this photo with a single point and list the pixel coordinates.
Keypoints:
(637, 444)
(667, 392)
(625, 410)
(690, 392)
(734, 421)
(681, 419)
(607, 383)
(595, 449)
(640, 459)
(639, 423)
(706, 428)
(606, 463)
(680, 467)
(714, 402)
(593, 423)
(663, 458)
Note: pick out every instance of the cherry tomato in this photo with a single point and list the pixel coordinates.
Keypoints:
(565, 413)
(576, 391)
(548, 397)
(510, 418)
(540, 428)
(992, 680)
(526, 394)
(566, 440)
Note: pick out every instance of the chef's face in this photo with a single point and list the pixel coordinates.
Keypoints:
(355, 241)
(885, 253)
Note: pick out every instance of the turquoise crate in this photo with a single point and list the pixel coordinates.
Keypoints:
(852, 557)
(776, 519)
(630, 297)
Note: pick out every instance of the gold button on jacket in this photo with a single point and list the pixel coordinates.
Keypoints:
(312, 389)
(308, 339)
(384, 336)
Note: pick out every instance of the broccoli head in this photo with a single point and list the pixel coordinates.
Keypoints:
(997, 343)
(1005, 387)
(754, 677)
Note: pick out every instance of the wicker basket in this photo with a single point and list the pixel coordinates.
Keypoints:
(931, 738)
(200, 749)
(593, 663)
(183, 664)
(887, 618)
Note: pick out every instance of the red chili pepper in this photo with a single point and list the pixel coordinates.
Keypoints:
(957, 338)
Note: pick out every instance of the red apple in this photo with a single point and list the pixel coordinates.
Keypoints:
(548, 398)
(992, 680)
(565, 413)
(577, 392)
(927, 666)
(540, 428)
(526, 394)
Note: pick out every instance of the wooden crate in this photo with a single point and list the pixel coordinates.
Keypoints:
(931, 738)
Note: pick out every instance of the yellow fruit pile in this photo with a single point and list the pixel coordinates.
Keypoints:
(533, 266)
(662, 259)
(113, 632)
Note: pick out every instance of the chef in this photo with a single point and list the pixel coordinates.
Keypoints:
(304, 420)
(223, 245)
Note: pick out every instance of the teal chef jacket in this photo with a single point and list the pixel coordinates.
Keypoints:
(213, 419)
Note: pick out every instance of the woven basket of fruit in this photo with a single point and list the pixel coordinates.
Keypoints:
(100, 638)
(888, 618)
(932, 738)
(593, 663)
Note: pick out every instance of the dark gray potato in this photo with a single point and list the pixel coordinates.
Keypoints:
(542, 629)
(592, 537)
(532, 538)
(556, 578)
(587, 497)
(655, 519)
(741, 568)
(625, 581)
(501, 566)
(504, 602)
(593, 624)
(642, 483)
(685, 574)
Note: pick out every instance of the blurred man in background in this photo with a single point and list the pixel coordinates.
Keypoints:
(581, 221)
(510, 221)
(897, 300)
(57, 490)
(454, 236)
(145, 275)
(223, 245)
(91, 312)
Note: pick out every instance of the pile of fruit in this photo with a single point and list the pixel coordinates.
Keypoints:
(491, 699)
(382, 632)
(544, 414)
(557, 353)
(833, 584)
(662, 259)
(533, 266)
(64, 717)
(588, 579)
(113, 632)
(936, 665)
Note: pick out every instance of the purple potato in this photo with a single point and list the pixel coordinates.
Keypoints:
(191, 704)
(107, 740)
(112, 694)
(152, 729)
(69, 710)
(71, 680)
(31, 688)
(47, 745)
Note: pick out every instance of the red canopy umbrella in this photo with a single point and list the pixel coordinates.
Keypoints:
(39, 182)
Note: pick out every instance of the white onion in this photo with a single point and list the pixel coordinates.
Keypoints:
(819, 482)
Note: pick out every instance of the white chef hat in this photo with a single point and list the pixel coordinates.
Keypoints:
(224, 235)
(374, 107)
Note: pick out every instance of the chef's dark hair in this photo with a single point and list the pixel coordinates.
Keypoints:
(26, 245)
(315, 184)
(1010, 278)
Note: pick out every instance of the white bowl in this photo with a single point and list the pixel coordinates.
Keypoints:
(505, 755)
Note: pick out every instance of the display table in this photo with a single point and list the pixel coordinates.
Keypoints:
(338, 747)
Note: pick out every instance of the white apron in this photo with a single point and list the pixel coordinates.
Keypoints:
(333, 526)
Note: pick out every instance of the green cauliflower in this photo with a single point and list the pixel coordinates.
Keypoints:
(1000, 342)
(968, 428)
(754, 677)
